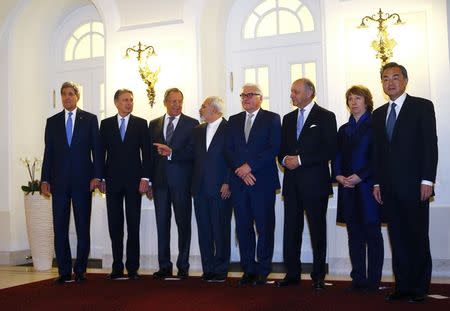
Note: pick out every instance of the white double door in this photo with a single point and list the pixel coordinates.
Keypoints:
(274, 70)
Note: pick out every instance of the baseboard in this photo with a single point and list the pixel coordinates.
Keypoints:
(342, 266)
(15, 258)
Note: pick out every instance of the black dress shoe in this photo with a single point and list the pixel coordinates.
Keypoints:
(80, 277)
(162, 274)
(396, 295)
(318, 284)
(355, 287)
(207, 277)
(63, 279)
(417, 299)
(218, 278)
(182, 274)
(260, 280)
(115, 275)
(286, 282)
(133, 276)
(247, 279)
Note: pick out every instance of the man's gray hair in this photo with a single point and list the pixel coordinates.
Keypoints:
(254, 85)
(216, 102)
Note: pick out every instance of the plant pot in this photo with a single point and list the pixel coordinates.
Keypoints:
(39, 218)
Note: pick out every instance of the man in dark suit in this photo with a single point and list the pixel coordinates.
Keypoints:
(405, 161)
(71, 170)
(252, 144)
(171, 174)
(211, 191)
(125, 144)
(308, 143)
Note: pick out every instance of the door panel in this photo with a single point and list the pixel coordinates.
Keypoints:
(275, 70)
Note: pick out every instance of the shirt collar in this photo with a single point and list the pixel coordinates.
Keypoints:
(175, 118)
(399, 101)
(74, 112)
(254, 113)
(307, 108)
(127, 117)
(215, 123)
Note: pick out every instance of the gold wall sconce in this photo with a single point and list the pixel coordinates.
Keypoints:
(383, 45)
(145, 55)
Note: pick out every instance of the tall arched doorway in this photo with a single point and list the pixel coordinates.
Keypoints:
(272, 43)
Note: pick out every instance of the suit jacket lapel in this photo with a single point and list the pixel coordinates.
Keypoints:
(309, 121)
(403, 115)
(77, 126)
(130, 126)
(216, 134)
(160, 129)
(256, 123)
(62, 125)
(384, 110)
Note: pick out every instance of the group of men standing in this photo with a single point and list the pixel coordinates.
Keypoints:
(234, 164)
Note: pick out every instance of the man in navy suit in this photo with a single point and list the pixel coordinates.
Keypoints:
(405, 161)
(252, 144)
(308, 144)
(171, 174)
(71, 170)
(125, 144)
(211, 191)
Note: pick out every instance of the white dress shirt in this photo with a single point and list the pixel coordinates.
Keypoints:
(125, 121)
(166, 122)
(211, 130)
(74, 114)
(254, 114)
(306, 111)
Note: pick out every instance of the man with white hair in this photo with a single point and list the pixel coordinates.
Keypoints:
(211, 191)
(252, 144)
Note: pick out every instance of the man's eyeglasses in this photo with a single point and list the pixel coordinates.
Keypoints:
(248, 95)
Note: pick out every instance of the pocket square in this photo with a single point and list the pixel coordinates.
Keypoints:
(313, 125)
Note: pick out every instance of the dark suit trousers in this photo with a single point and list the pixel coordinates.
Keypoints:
(408, 224)
(213, 222)
(295, 206)
(114, 201)
(255, 209)
(164, 197)
(365, 242)
(81, 202)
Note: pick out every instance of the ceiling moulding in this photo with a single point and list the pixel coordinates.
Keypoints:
(151, 25)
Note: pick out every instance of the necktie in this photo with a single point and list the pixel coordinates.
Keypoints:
(169, 130)
(248, 126)
(390, 123)
(300, 122)
(69, 126)
(122, 128)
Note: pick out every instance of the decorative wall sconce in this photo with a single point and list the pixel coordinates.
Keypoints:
(383, 45)
(149, 75)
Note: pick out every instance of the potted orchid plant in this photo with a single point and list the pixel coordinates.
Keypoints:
(32, 166)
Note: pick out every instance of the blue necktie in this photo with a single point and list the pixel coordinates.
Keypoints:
(170, 129)
(390, 123)
(300, 122)
(122, 128)
(69, 126)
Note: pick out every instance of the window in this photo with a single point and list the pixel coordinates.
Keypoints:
(278, 17)
(87, 41)
(260, 76)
